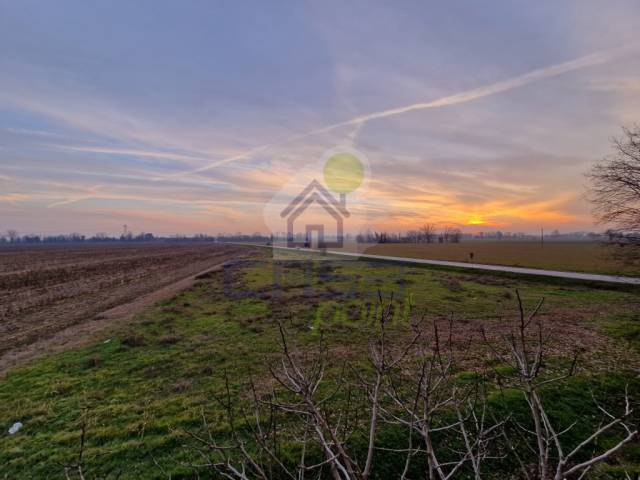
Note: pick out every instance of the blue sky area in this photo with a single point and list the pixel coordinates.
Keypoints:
(190, 116)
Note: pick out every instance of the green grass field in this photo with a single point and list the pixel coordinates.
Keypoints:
(142, 386)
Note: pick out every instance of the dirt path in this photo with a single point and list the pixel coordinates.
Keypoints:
(82, 333)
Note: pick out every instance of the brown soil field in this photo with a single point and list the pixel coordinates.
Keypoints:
(52, 290)
(591, 257)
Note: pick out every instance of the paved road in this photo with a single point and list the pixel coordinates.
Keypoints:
(591, 277)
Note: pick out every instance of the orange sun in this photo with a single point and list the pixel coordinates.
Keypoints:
(475, 219)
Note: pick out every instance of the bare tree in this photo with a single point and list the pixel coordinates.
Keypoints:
(526, 355)
(615, 186)
(448, 234)
(455, 235)
(13, 235)
(451, 235)
(427, 232)
(413, 236)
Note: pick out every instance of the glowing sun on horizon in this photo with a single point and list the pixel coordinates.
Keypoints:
(475, 220)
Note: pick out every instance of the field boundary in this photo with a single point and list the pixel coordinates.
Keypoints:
(567, 275)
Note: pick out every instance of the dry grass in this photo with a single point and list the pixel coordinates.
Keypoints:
(571, 256)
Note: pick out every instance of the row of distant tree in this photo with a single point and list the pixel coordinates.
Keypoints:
(428, 233)
(14, 237)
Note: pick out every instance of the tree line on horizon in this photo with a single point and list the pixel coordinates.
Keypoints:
(13, 237)
(427, 233)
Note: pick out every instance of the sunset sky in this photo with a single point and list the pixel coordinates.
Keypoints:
(191, 116)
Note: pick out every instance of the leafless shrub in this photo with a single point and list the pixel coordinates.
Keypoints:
(414, 384)
(526, 355)
(410, 384)
(428, 400)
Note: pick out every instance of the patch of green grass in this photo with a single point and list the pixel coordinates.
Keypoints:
(573, 406)
(626, 327)
(140, 386)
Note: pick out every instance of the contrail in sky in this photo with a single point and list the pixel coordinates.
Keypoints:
(480, 92)
(455, 99)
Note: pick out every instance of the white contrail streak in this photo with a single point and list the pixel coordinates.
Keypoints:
(131, 152)
(480, 92)
(455, 99)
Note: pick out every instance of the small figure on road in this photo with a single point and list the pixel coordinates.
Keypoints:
(471, 256)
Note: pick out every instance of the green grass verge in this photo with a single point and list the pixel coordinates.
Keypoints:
(141, 385)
